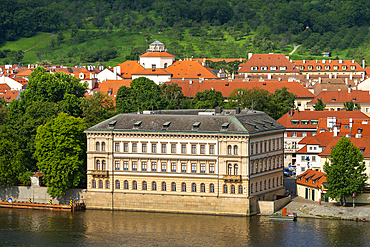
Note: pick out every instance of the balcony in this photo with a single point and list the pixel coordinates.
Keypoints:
(99, 173)
(232, 178)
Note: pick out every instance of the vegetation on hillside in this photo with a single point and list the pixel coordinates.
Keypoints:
(111, 31)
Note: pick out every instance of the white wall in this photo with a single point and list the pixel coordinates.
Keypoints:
(14, 85)
(107, 75)
(158, 79)
(147, 62)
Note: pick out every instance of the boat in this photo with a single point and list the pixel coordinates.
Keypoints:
(289, 217)
(42, 206)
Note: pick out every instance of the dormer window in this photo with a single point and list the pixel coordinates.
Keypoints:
(225, 126)
(254, 68)
(318, 67)
(304, 122)
(301, 67)
(314, 122)
(294, 122)
(196, 126)
(110, 91)
(309, 67)
(333, 99)
(264, 68)
(327, 67)
(273, 68)
(353, 67)
(313, 181)
(166, 125)
(344, 67)
(137, 124)
(354, 99)
(282, 68)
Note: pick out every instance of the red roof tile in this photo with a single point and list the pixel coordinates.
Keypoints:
(330, 63)
(361, 143)
(151, 72)
(190, 70)
(110, 87)
(157, 54)
(339, 97)
(311, 178)
(268, 60)
(129, 67)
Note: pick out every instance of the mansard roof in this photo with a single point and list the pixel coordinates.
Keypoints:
(187, 121)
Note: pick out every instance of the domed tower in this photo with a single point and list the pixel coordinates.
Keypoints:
(156, 57)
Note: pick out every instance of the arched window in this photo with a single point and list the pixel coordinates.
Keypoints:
(265, 185)
(183, 187)
(145, 187)
(277, 182)
(235, 150)
(164, 186)
(98, 165)
(107, 184)
(154, 186)
(261, 186)
(230, 169)
(103, 146)
(252, 170)
(93, 184)
(273, 182)
(100, 184)
(232, 189)
(229, 149)
(165, 65)
(251, 188)
(256, 187)
(97, 148)
(134, 185)
(211, 188)
(104, 165)
(281, 180)
(225, 188)
(173, 186)
(125, 185)
(118, 185)
(202, 188)
(193, 187)
(240, 189)
(269, 184)
(236, 170)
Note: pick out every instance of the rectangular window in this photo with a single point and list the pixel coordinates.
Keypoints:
(194, 167)
(202, 168)
(285, 134)
(212, 149)
(154, 148)
(193, 149)
(116, 165)
(183, 148)
(294, 134)
(154, 166)
(252, 145)
(164, 166)
(183, 167)
(302, 158)
(116, 147)
(173, 167)
(202, 149)
(164, 148)
(134, 147)
(173, 148)
(304, 134)
(143, 148)
(143, 166)
(314, 158)
(134, 166)
(211, 168)
(125, 147)
(367, 110)
(125, 165)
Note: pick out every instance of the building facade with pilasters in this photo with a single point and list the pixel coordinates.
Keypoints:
(191, 161)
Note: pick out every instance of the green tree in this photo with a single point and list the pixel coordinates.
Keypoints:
(97, 108)
(281, 102)
(61, 153)
(208, 99)
(319, 106)
(173, 95)
(3, 111)
(351, 106)
(345, 171)
(256, 99)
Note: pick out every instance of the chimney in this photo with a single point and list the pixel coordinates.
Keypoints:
(319, 80)
(232, 76)
(204, 60)
(350, 123)
(329, 61)
(349, 90)
(335, 76)
(307, 76)
(335, 130)
(363, 64)
(346, 80)
(323, 61)
(316, 61)
(304, 61)
(341, 61)
(279, 79)
(250, 54)
(190, 82)
(29, 66)
(350, 76)
(353, 61)
(237, 110)
(203, 64)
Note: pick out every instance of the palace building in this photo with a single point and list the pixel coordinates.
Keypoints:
(185, 161)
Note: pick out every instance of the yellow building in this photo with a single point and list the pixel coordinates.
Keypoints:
(191, 161)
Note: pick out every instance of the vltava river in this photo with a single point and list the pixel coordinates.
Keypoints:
(119, 228)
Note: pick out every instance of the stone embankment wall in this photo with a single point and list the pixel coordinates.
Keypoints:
(270, 207)
(39, 194)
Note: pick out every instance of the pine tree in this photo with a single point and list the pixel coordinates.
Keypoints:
(345, 172)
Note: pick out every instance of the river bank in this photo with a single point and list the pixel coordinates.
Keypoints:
(310, 209)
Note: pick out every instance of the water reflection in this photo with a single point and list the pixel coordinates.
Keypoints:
(93, 227)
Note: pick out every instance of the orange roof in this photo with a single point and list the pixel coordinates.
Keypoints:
(339, 97)
(190, 70)
(227, 87)
(9, 95)
(268, 60)
(25, 73)
(367, 71)
(227, 60)
(110, 87)
(151, 72)
(298, 116)
(329, 64)
(361, 143)
(4, 87)
(157, 54)
(321, 139)
(311, 178)
(129, 67)
(343, 125)
(21, 80)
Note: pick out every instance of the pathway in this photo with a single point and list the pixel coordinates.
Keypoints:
(52, 35)
(295, 48)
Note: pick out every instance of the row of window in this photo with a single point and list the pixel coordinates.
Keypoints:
(304, 122)
(268, 184)
(272, 68)
(265, 146)
(327, 67)
(164, 166)
(184, 188)
(265, 164)
(307, 158)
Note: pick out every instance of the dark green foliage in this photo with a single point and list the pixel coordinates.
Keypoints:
(101, 55)
(319, 106)
(351, 106)
(345, 171)
(229, 67)
(209, 99)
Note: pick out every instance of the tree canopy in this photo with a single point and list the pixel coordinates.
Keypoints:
(319, 106)
(60, 153)
(208, 99)
(345, 171)
(351, 106)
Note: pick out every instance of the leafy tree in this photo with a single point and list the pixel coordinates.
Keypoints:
(281, 102)
(97, 108)
(256, 99)
(61, 153)
(173, 95)
(351, 106)
(319, 106)
(345, 171)
(3, 111)
(208, 99)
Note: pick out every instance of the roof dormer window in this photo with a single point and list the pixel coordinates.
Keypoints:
(335, 67)
(344, 67)
(327, 67)
(282, 68)
(254, 68)
(166, 125)
(294, 122)
(309, 67)
(225, 126)
(273, 68)
(196, 126)
(301, 67)
(353, 67)
(264, 68)
(318, 67)
(333, 99)
(304, 122)
(137, 124)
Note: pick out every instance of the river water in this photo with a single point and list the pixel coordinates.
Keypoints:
(106, 228)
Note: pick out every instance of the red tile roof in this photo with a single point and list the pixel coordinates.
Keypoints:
(157, 54)
(227, 60)
(286, 120)
(110, 87)
(321, 139)
(361, 143)
(24, 73)
(190, 70)
(129, 67)
(314, 178)
(151, 72)
(339, 97)
(227, 87)
(330, 63)
(268, 60)
(9, 95)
